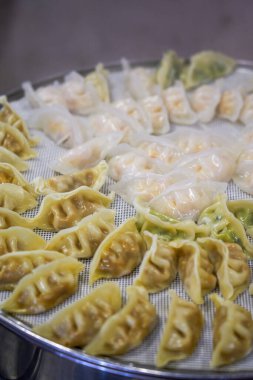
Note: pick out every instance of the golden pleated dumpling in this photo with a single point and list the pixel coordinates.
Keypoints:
(232, 332)
(14, 266)
(64, 210)
(126, 329)
(45, 287)
(77, 324)
(82, 240)
(92, 177)
(181, 332)
(119, 254)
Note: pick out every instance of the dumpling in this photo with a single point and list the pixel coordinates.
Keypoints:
(10, 117)
(9, 218)
(214, 164)
(224, 225)
(128, 161)
(198, 140)
(15, 198)
(157, 148)
(92, 177)
(181, 332)
(125, 118)
(63, 210)
(159, 266)
(232, 332)
(169, 69)
(86, 155)
(20, 239)
(8, 157)
(186, 199)
(178, 106)
(99, 80)
(156, 111)
(13, 140)
(127, 328)
(139, 81)
(14, 266)
(230, 264)
(246, 115)
(166, 227)
(45, 287)
(206, 66)
(135, 111)
(83, 94)
(204, 101)
(46, 95)
(58, 124)
(243, 173)
(243, 210)
(195, 269)
(230, 105)
(146, 186)
(78, 323)
(9, 174)
(82, 240)
(119, 253)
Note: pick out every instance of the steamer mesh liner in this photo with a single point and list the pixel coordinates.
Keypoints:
(145, 354)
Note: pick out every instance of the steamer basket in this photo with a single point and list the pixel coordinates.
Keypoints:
(25, 355)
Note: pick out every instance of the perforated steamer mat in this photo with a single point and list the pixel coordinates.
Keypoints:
(140, 361)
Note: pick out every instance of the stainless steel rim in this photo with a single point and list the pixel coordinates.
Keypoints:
(103, 364)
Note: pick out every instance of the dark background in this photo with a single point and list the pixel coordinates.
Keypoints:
(40, 38)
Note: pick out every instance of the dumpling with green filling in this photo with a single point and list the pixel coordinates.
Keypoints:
(16, 265)
(224, 225)
(45, 287)
(206, 66)
(232, 332)
(92, 177)
(178, 105)
(169, 69)
(159, 266)
(230, 264)
(15, 198)
(195, 269)
(77, 324)
(181, 332)
(127, 328)
(243, 211)
(64, 210)
(13, 140)
(82, 240)
(8, 157)
(166, 227)
(119, 254)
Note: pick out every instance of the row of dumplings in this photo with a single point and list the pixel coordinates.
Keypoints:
(151, 115)
(135, 321)
(163, 247)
